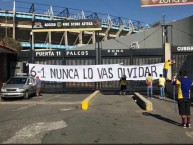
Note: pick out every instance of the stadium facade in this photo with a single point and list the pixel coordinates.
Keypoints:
(17, 24)
(120, 41)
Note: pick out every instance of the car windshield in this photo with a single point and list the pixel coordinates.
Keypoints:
(17, 81)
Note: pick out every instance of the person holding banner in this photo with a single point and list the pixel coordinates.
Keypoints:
(162, 83)
(167, 64)
(183, 88)
(38, 84)
(123, 85)
(149, 82)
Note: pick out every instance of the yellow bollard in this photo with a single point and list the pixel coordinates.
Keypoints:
(85, 105)
(88, 100)
(149, 106)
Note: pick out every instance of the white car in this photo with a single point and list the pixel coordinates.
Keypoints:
(18, 86)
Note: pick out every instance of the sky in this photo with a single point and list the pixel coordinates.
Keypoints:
(130, 9)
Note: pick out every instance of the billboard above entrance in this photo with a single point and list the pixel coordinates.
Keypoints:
(66, 25)
(149, 3)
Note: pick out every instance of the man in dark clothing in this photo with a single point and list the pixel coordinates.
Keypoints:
(123, 85)
(183, 88)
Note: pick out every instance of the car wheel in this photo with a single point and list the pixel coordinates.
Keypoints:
(3, 98)
(26, 95)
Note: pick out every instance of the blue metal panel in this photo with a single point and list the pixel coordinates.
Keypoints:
(23, 16)
(7, 15)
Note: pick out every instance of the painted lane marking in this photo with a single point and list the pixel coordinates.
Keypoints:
(67, 109)
(44, 103)
(24, 107)
(33, 133)
(51, 98)
(190, 134)
(41, 102)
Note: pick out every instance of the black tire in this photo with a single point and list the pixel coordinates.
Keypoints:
(3, 98)
(26, 96)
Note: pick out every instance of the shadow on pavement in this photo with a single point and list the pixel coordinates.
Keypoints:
(157, 116)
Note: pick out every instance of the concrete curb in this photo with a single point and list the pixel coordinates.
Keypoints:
(143, 102)
(85, 103)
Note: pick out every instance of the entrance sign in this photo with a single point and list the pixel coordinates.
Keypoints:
(51, 53)
(149, 3)
(187, 48)
(66, 25)
(94, 73)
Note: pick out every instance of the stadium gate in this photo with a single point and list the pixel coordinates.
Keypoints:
(92, 57)
(183, 55)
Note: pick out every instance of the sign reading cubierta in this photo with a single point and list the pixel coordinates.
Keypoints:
(149, 3)
(187, 48)
(94, 73)
(66, 25)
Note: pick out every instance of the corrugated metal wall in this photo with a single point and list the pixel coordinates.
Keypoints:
(126, 57)
(184, 60)
(130, 60)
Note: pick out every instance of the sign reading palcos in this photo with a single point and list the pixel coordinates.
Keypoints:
(94, 73)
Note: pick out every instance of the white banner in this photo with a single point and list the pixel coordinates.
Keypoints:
(94, 73)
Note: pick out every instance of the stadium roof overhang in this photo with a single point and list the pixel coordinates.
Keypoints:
(5, 50)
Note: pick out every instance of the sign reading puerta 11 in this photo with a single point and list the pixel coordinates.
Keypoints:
(149, 3)
(66, 25)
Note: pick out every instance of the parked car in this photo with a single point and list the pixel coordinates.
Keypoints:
(18, 86)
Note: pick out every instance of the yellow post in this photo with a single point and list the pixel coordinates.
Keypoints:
(85, 105)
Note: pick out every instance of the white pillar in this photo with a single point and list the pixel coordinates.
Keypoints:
(168, 57)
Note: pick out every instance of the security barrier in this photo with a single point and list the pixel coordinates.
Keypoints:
(85, 103)
(143, 102)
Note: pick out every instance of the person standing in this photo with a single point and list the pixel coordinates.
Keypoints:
(149, 83)
(162, 83)
(167, 64)
(123, 85)
(183, 88)
(38, 84)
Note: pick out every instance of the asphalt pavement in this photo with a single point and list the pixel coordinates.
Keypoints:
(110, 119)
